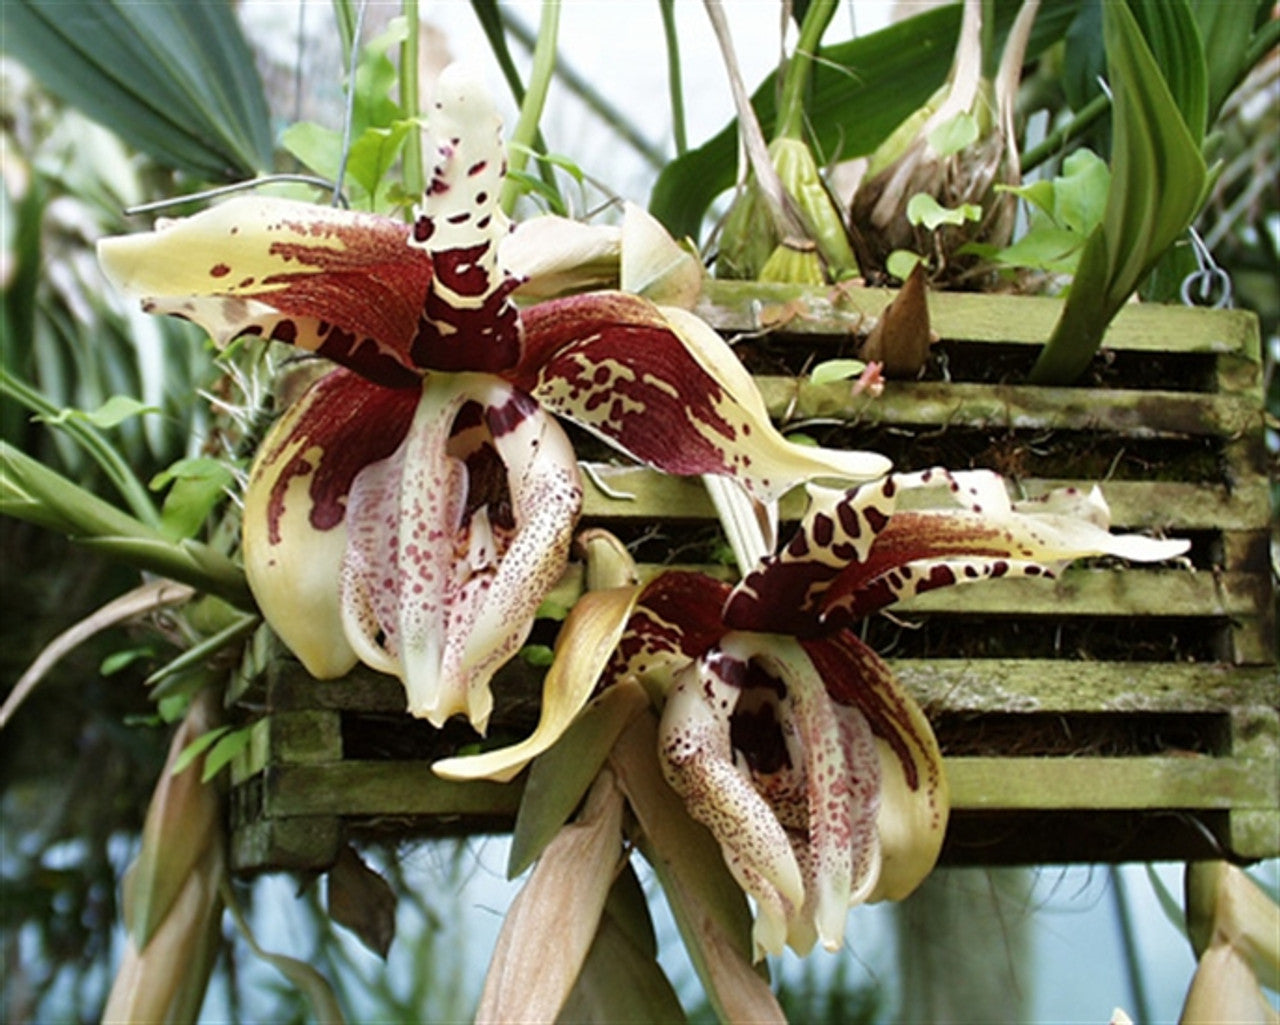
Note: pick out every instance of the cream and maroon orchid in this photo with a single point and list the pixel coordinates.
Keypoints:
(787, 736)
(415, 505)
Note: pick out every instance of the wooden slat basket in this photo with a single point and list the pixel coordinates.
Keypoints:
(1118, 713)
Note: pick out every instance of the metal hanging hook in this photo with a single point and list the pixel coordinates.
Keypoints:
(1208, 285)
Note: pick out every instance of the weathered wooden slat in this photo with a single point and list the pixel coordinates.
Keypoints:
(940, 684)
(1027, 320)
(638, 493)
(1042, 685)
(1077, 592)
(382, 788)
(408, 789)
(1193, 782)
(1126, 412)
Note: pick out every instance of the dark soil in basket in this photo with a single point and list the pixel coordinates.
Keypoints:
(985, 363)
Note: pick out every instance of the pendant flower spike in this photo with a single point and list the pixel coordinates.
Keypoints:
(413, 507)
(787, 736)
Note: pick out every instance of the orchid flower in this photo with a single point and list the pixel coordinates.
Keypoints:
(414, 506)
(787, 736)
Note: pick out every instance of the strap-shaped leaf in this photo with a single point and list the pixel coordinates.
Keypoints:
(1158, 181)
(177, 81)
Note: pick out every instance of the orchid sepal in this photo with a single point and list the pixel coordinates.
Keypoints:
(660, 384)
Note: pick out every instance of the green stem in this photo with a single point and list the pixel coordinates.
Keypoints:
(535, 98)
(99, 449)
(616, 118)
(414, 180)
(1259, 46)
(795, 79)
(31, 491)
(1129, 946)
(674, 84)
(345, 16)
(1078, 125)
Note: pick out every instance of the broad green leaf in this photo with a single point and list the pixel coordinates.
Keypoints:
(1173, 38)
(317, 148)
(862, 89)
(177, 81)
(1080, 192)
(1226, 30)
(560, 777)
(1055, 250)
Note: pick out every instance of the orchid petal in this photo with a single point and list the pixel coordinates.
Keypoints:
(654, 264)
(468, 319)
(661, 385)
(987, 537)
(784, 593)
(914, 795)
(343, 284)
(584, 646)
(295, 530)
(697, 757)
(855, 552)
(555, 255)
(440, 585)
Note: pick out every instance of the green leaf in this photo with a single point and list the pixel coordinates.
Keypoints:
(196, 486)
(1226, 29)
(317, 148)
(923, 209)
(1080, 192)
(1055, 250)
(900, 263)
(198, 747)
(112, 413)
(118, 661)
(833, 370)
(177, 81)
(372, 155)
(228, 746)
(560, 776)
(1173, 37)
(540, 656)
